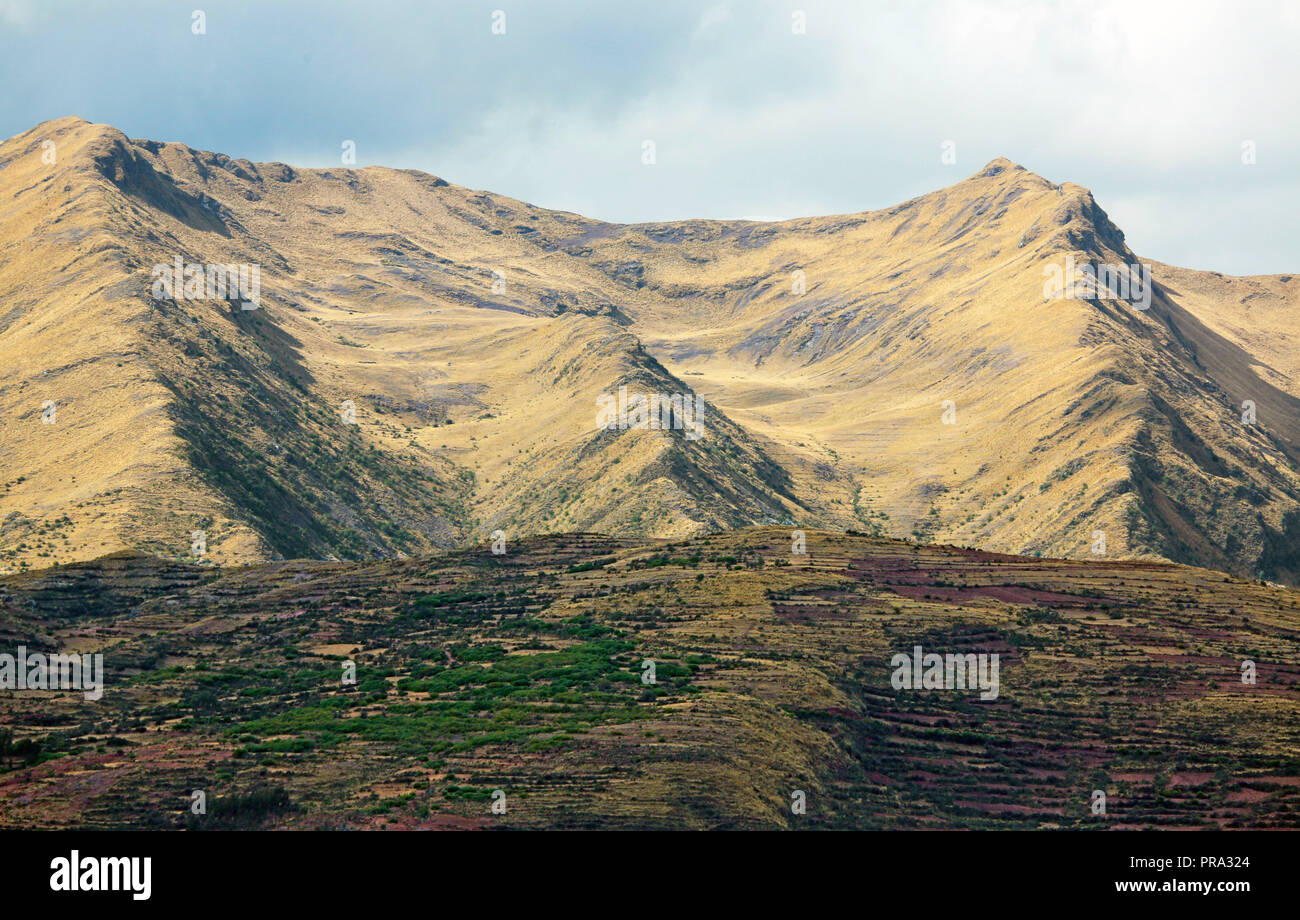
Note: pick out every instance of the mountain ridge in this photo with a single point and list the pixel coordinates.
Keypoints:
(380, 287)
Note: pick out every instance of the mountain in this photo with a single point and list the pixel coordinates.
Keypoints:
(901, 372)
(523, 679)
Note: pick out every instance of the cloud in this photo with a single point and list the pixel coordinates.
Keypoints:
(1147, 103)
(16, 13)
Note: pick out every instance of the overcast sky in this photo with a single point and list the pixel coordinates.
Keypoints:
(1146, 103)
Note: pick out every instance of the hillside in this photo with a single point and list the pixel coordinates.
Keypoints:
(523, 673)
(472, 335)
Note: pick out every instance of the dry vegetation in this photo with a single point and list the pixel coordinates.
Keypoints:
(824, 348)
(476, 406)
(521, 672)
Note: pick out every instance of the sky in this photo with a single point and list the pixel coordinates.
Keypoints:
(755, 109)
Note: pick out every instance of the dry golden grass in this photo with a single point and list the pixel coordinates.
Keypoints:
(824, 407)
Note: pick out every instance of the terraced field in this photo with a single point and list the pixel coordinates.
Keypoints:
(508, 691)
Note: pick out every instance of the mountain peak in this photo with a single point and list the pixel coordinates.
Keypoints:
(1006, 176)
(70, 125)
(998, 164)
(67, 121)
(1001, 167)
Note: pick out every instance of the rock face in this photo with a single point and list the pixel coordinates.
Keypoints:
(425, 362)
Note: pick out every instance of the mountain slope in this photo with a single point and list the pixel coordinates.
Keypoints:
(249, 408)
(773, 675)
(1068, 417)
(898, 371)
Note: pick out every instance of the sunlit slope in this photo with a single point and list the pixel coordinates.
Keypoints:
(170, 416)
(413, 377)
(916, 351)
(901, 371)
(90, 457)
